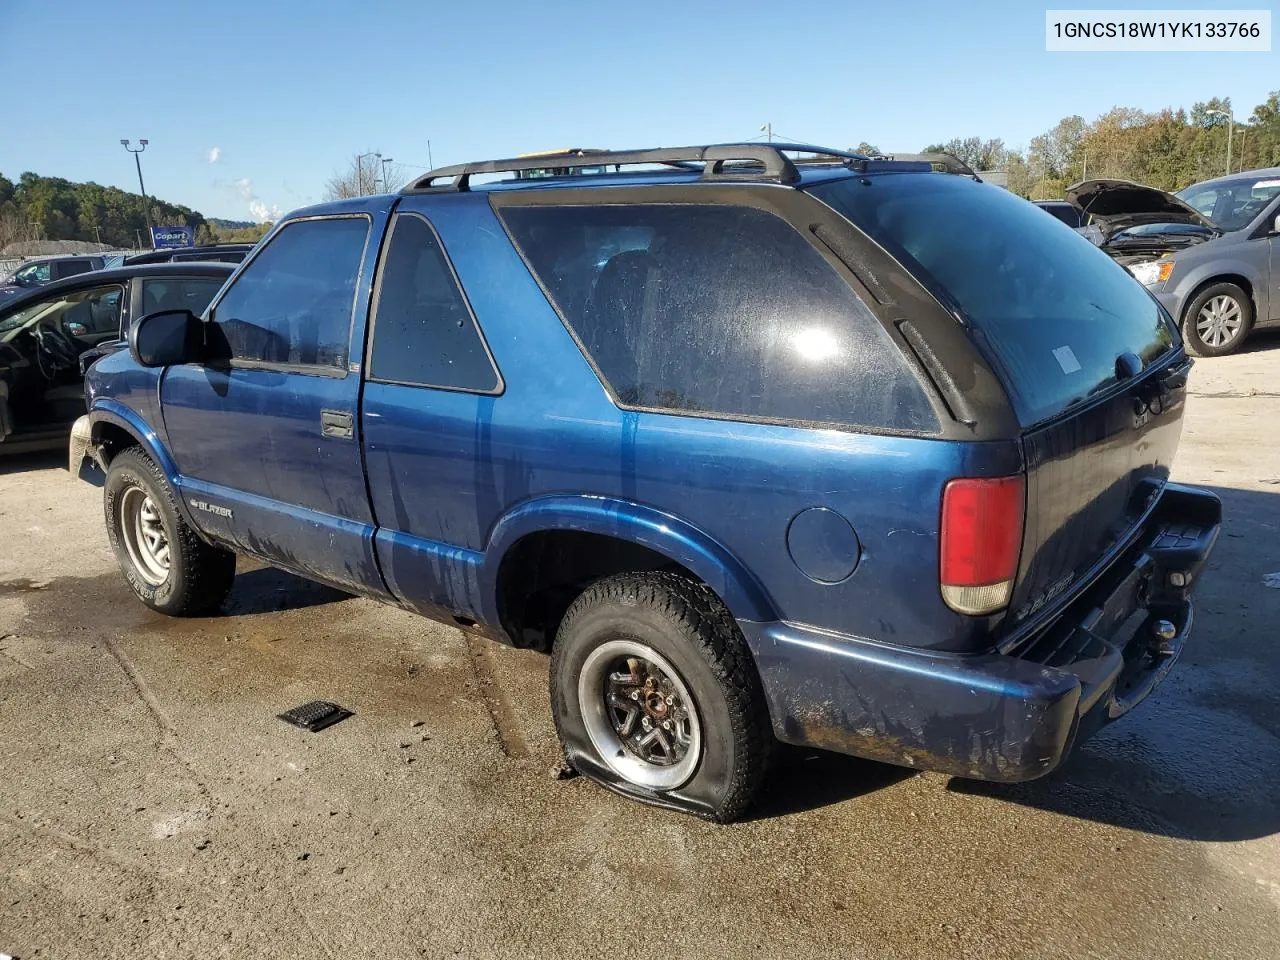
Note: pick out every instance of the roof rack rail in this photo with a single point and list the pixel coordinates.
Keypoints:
(722, 161)
(949, 163)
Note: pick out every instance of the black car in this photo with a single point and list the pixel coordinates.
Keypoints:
(215, 252)
(37, 273)
(1067, 212)
(45, 333)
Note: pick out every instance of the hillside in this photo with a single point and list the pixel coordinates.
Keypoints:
(51, 208)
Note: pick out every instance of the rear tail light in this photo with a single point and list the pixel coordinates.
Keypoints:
(981, 539)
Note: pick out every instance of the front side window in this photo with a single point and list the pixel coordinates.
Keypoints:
(81, 314)
(1233, 204)
(36, 273)
(717, 310)
(292, 306)
(423, 331)
(179, 293)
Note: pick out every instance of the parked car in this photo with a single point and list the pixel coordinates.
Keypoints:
(39, 272)
(220, 252)
(1210, 253)
(1064, 210)
(757, 449)
(48, 333)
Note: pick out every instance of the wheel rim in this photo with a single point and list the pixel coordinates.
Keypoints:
(639, 714)
(145, 537)
(1219, 320)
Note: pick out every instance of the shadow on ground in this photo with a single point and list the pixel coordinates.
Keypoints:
(803, 779)
(259, 589)
(1261, 340)
(42, 460)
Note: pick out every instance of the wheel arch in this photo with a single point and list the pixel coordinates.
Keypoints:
(116, 427)
(546, 551)
(1249, 284)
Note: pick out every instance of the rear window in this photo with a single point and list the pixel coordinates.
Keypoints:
(717, 310)
(1055, 310)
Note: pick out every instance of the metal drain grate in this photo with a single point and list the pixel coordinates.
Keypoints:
(315, 716)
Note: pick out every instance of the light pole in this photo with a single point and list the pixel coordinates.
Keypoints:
(146, 207)
(1231, 124)
(360, 181)
(385, 161)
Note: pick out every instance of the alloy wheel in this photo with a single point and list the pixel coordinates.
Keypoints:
(639, 714)
(1219, 321)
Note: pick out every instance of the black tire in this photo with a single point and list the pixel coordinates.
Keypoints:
(1195, 341)
(199, 575)
(685, 623)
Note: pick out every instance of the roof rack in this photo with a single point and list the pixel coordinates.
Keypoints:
(722, 161)
(946, 161)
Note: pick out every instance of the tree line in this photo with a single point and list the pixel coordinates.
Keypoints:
(51, 208)
(1169, 149)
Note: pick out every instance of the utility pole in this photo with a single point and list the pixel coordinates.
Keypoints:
(767, 130)
(146, 206)
(385, 161)
(430, 162)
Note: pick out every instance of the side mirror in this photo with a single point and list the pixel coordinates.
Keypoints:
(1275, 227)
(166, 338)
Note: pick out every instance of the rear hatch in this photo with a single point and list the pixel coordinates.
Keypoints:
(1090, 361)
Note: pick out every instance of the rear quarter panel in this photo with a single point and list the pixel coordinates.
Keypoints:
(447, 467)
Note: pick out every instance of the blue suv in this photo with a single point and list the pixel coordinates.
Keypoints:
(762, 443)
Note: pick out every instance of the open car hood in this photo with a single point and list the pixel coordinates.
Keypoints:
(1117, 205)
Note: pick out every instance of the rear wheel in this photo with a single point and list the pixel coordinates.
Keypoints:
(1218, 320)
(168, 566)
(656, 696)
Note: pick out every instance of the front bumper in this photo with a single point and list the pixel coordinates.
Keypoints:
(1011, 715)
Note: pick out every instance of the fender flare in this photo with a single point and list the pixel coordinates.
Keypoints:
(128, 420)
(661, 532)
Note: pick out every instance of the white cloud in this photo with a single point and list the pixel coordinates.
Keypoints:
(259, 210)
(215, 154)
(262, 213)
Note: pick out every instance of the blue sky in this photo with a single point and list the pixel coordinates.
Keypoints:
(286, 90)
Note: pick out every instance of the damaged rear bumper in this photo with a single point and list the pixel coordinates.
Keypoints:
(1010, 715)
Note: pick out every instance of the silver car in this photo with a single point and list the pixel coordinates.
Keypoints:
(1210, 253)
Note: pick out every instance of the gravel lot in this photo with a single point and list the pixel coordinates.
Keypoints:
(152, 806)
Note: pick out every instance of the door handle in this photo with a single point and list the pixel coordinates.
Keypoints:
(337, 424)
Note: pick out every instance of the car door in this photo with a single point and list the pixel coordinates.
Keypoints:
(264, 433)
(431, 384)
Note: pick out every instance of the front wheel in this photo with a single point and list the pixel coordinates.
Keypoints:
(656, 696)
(168, 566)
(1218, 320)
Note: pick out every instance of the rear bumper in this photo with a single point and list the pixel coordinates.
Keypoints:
(1004, 716)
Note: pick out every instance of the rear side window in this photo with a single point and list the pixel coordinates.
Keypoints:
(178, 293)
(69, 268)
(292, 305)
(1055, 309)
(717, 310)
(423, 331)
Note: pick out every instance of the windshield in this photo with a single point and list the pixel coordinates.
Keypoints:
(1233, 204)
(22, 317)
(1054, 309)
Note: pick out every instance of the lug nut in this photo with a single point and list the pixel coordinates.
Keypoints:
(635, 694)
(1164, 630)
(1177, 578)
(670, 701)
(644, 722)
(666, 724)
